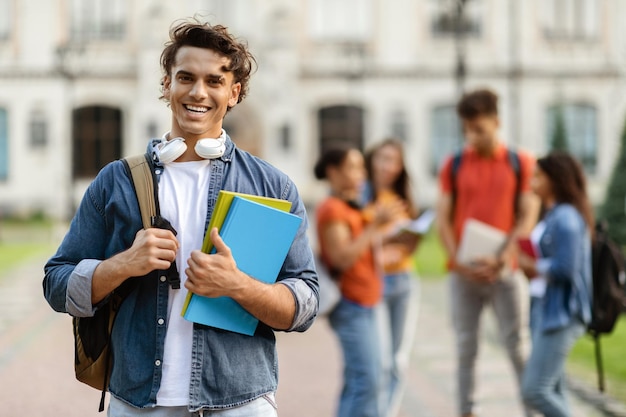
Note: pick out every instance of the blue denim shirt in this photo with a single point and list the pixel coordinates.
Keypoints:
(566, 263)
(228, 369)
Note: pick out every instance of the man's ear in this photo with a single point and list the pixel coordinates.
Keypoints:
(167, 83)
(235, 89)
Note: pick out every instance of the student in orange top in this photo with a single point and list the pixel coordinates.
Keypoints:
(347, 244)
(492, 185)
(388, 183)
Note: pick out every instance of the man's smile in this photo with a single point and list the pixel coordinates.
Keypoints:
(196, 109)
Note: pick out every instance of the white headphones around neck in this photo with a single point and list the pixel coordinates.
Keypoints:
(170, 149)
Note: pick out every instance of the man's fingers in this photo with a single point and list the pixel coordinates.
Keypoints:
(220, 246)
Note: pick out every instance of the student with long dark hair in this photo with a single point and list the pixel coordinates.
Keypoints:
(388, 181)
(559, 314)
(347, 243)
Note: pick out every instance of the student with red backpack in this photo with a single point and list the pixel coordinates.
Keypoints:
(490, 183)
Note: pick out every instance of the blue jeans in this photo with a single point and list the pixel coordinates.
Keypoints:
(395, 303)
(543, 382)
(355, 327)
(264, 406)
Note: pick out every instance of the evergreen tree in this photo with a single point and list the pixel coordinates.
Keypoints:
(559, 135)
(614, 207)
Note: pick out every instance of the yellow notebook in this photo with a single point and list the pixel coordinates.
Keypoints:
(222, 205)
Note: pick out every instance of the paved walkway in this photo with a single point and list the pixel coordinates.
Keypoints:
(311, 368)
(36, 354)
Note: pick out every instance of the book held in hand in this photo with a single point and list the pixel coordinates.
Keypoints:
(222, 205)
(419, 226)
(528, 247)
(479, 240)
(259, 237)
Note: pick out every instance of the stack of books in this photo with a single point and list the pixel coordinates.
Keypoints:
(259, 232)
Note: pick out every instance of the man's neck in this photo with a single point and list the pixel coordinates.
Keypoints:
(490, 150)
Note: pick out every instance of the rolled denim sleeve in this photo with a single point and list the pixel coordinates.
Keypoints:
(78, 298)
(306, 304)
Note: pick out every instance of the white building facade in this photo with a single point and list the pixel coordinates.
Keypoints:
(79, 83)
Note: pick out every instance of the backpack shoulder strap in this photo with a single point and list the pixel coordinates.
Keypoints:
(140, 172)
(515, 163)
(454, 170)
(456, 164)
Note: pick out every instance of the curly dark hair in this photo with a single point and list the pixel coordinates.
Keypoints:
(568, 182)
(477, 103)
(193, 32)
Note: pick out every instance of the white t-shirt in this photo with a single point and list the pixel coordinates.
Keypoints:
(537, 285)
(183, 199)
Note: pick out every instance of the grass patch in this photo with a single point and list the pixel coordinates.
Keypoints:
(11, 255)
(23, 239)
(429, 257)
(581, 362)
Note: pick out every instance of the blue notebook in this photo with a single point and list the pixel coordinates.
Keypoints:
(259, 237)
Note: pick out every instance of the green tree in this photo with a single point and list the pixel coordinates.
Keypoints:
(614, 208)
(558, 141)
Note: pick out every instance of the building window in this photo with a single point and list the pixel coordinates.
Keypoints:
(340, 125)
(38, 129)
(328, 20)
(238, 15)
(445, 135)
(571, 19)
(6, 13)
(581, 131)
(445, 14)
(399, 125)
(285, 137)
(97, 139)
(4, 145)
(98, 20)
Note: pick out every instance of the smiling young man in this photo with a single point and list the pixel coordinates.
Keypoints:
(163, 364)
(489, 188)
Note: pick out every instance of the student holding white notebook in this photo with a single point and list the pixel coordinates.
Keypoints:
(488, 183)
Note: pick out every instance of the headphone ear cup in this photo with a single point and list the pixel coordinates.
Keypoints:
(170, 151)
(210, 148)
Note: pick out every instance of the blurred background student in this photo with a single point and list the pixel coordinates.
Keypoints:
(347, 246)
(559, 314)
(388, 182)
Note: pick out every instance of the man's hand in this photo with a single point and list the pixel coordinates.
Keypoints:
(217, 275)
(214, 275)
(485, 269)
(152, 249)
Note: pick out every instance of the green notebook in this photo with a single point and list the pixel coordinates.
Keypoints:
(222, 205)
(259, 237)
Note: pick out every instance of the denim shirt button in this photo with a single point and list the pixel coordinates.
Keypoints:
(163, 278)
(157, 362)
(160, 321)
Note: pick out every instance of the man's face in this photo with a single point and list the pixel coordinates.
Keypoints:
(481, 133)
(199, 91)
